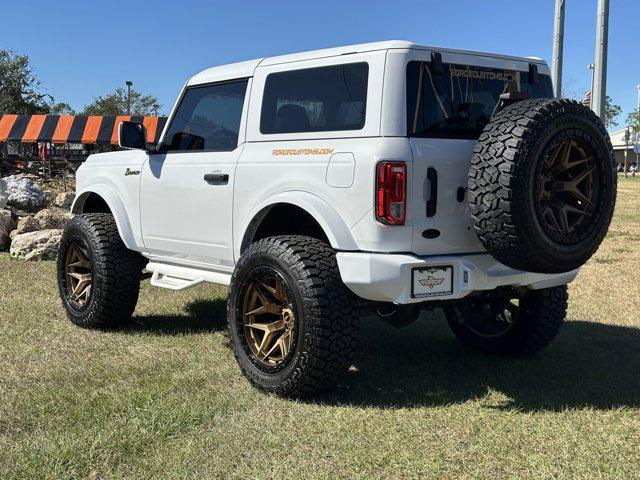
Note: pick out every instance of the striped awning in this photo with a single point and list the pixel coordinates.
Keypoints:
(72, 128)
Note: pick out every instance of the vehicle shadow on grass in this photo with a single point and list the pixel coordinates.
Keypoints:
(589, 365)
(203, 316)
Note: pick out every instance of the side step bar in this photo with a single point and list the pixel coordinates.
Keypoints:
(177, 278)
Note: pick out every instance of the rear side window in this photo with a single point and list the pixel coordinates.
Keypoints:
(461, 100)
(315, 99)
(208, 118)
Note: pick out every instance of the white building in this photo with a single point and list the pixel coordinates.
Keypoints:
(619, 145)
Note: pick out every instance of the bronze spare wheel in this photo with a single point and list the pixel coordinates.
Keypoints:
(568, 189)
(542, 185)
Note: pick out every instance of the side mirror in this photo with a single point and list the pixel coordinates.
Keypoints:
(132, 135)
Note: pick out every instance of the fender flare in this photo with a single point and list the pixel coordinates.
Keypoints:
(327, 217)
(113, 200)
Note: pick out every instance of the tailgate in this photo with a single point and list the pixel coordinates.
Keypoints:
(439, 197)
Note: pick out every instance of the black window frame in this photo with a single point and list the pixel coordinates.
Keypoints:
(164, 146)
(359, 127)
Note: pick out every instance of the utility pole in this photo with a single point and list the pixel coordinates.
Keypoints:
(129, 84)
(598, 96)
(626, 151)
(636, 135)
(558, 46)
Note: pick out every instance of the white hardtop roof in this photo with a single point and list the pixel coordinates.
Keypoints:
(246, 69)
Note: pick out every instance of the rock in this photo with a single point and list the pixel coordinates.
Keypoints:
(48, 197)
(7, 225)
(25, 225)
(4, 196)
(64, 200)
(52, 218)
(41, 245)
(24, 193)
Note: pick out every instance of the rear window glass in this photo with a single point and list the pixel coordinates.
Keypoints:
(315, 99)
(460, 101)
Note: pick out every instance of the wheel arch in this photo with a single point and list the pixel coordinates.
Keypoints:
(102, 198)
(318, 218)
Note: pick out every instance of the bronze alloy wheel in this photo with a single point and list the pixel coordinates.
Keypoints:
(79, 276)
(568, 189)
(268, 317)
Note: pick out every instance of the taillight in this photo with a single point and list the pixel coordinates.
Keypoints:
(391, 192)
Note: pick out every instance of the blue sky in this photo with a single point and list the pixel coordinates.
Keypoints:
(81, 49)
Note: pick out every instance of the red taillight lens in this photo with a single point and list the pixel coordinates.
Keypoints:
(391, 192)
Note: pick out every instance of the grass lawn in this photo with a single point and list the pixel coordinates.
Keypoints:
(165, 399)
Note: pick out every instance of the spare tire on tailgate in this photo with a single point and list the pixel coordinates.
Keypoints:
(542, 185)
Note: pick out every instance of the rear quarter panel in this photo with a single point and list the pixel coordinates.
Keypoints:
(300, 162)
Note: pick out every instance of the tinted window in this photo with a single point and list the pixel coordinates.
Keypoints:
(315, 99)
(460, 101)
(208, 118)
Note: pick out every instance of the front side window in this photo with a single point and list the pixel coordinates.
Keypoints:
(315, 99)
(460, 101)
(208, 118)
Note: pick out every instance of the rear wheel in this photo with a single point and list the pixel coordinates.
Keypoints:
(503, 321)
(98, 277)
(291, 319)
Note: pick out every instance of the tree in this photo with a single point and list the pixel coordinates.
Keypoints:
(19, 86)
(60, 108)
(611, 112)
(116, 104)
(633, 120)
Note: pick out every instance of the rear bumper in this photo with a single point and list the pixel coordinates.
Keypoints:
(387, 277)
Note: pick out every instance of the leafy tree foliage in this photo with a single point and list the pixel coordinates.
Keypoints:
(116, 104)
(19, 86)
(611, 112)
(633, 120)
(61, 108)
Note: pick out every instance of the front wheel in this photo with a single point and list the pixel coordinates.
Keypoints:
(291, 319)
(98, 277)
(506, 322)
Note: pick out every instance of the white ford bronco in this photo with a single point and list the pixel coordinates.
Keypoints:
(386, 177)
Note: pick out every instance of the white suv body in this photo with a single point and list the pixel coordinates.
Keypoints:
(194, 231)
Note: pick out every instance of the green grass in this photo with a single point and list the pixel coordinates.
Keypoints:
(163, 398)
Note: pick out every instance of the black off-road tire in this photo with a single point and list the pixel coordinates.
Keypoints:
(502, 178)
(115, 270)
(324, 308)
(540, 315)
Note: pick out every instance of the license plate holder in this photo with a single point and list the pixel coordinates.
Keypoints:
(434, 281)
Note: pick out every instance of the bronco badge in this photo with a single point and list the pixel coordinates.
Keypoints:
(131, 172)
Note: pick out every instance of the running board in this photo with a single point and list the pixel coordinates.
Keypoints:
(177, 278)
